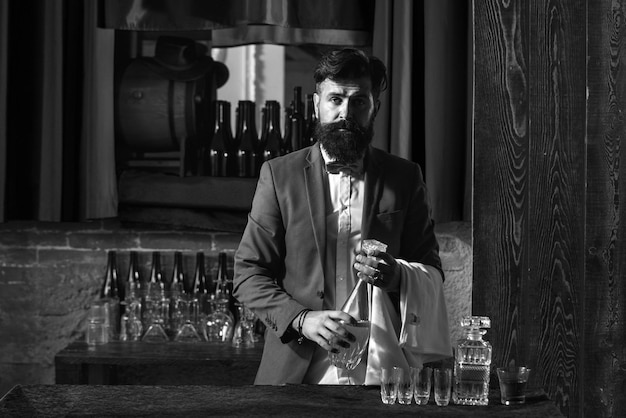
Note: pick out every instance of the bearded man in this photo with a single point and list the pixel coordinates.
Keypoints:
(300, 254)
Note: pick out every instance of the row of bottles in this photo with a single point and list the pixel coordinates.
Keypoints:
(183, 308)
(242, 154)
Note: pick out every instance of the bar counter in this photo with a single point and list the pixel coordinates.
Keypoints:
(171, 363)
(202, 401)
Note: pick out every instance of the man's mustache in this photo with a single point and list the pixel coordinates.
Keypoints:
(347, 125)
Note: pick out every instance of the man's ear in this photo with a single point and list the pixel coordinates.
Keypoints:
(316, 105)
(376, 107)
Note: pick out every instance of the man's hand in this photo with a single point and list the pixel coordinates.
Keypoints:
(378, 268)
(325, 329)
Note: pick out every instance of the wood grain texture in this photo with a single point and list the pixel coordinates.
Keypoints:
(529, 187)
(554, 273)
(605, 261)
(500, 171)
(241, 401)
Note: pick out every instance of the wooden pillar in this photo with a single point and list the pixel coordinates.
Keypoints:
(604, 331)
(529, 188)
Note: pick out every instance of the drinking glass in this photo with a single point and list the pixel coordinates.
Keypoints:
(349, 358)
(421, 384)
(405, 386)
(443, 384)
(388, 385)
(219, 323)
(159, 309)
(98, 323)
(513, 384)
(186, 330)
(243, 334)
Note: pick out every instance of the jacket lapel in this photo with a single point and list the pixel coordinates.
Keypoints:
(374, 177)
(315, 187)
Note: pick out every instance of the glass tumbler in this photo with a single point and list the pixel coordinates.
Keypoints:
(422, 381)
(443, 385)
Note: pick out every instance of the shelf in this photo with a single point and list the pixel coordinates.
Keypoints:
(138, 188)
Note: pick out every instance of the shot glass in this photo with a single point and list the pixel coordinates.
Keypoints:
(421, 378)
(443, 385)
(405, 386)
(513, 382)
(388, 385)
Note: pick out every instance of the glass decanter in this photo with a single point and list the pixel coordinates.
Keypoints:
(472, 363)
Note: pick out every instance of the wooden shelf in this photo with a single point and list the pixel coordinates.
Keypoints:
(138, 188)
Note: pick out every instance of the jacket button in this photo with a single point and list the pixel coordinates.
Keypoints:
(320, 294)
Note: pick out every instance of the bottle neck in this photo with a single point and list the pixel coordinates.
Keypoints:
(475, 334)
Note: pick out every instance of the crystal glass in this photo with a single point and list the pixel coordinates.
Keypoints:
(405, 386)
(443, 384)
(472, 363)
(185, 326)
(513, 382)
(220, 322)
(98, 323)
(388, 385)
(158, 309)
(358, 306)
(243, 334)
(131, 327)
(349, 358)
(421, 384)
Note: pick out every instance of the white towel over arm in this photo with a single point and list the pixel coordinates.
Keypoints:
(421, 332)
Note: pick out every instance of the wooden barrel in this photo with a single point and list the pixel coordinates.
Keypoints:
(155, 114)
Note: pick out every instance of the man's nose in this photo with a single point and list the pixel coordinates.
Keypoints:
(345, 111)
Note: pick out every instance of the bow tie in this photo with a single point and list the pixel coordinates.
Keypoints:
(335, 167)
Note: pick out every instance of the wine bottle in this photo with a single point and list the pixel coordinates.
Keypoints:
(177, 286)
(296, 122)
(221, 161)
(221, 278)
(156, 304)
(130, 309)
(133, 279)
(178, 304)
(224, 284)
(109, 293)
(199, 292)
(271, 138)
(152, 294)
(247, 140)
(311, 120)
(286, 148)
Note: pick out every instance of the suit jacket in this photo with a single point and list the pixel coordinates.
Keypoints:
(279, 265)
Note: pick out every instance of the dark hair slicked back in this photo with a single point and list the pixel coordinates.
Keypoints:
(351, 63)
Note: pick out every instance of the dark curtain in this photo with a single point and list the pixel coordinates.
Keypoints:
(425, 111)
(43, 124)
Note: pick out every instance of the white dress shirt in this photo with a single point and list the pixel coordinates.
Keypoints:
(419, 335)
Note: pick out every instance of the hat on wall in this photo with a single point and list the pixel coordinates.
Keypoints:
(183, 59)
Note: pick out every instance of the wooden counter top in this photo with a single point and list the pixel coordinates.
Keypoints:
(170, 363)
(192, 401)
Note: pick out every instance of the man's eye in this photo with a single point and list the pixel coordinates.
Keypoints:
(335, 100)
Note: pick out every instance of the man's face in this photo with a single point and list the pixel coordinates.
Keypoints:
(345, 110)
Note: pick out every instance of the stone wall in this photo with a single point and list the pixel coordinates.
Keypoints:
(51, 272)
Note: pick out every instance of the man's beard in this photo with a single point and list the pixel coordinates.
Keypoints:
(347, 146)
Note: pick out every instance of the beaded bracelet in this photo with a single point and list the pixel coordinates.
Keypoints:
(302, 314)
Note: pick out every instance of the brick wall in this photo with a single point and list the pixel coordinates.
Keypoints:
(51, 272)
